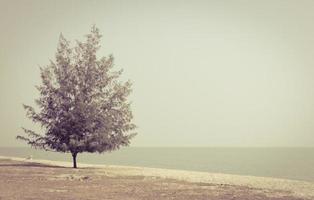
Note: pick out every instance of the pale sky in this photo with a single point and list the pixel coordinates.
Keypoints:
(205, 73)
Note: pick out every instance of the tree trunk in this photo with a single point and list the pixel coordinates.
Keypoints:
(74, 159)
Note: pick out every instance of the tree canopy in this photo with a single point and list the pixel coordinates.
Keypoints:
(83, 106)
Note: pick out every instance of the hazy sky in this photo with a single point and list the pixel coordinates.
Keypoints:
(205, 73)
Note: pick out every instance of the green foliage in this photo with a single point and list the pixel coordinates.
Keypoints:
(83, 107)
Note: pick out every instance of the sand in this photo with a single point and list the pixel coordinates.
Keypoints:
(43, 179)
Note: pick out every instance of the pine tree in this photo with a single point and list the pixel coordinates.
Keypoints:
(83, 106)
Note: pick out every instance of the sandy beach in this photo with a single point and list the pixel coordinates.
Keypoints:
(42, 179)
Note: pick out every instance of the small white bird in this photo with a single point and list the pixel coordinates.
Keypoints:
(30, 157)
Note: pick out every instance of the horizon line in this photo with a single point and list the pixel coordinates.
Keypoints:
(187, 147)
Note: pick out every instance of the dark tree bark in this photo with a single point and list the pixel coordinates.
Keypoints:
(74, 160)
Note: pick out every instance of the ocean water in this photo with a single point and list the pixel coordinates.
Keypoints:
(289, 163)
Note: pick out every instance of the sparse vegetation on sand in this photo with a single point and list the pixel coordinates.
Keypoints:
(21, 180)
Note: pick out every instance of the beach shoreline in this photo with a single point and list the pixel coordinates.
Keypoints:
(296, 189)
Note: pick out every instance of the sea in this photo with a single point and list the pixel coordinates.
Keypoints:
(288, 163)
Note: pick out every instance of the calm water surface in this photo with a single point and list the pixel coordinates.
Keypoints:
(291, 163)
